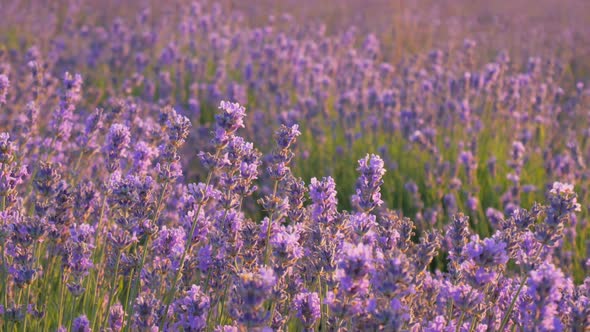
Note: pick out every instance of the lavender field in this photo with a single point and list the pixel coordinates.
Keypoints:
(282, 165)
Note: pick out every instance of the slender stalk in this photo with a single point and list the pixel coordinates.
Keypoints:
(474, 323)
(4, 283)
(78, 161)
(4, 277)
(450, 311)
(222, 303)
(61, 299)
(72, 312)
(127, 293)
(206, 288)
(137, 280)
(513, 302)
(269, 227)
(46, 281)
(187, 247)
(27, 295)
(460, 321)
(111, 291)
(323, 312)
(4, 268)
(98, 254)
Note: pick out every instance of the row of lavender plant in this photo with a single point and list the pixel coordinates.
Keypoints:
(102, 230)
(133, 248)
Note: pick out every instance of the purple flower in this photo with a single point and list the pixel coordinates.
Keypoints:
(324, 201)
(541, 307)
(457, 235)
(282, 155)
(192, 310)
(81, 324)
(355, 264)
(563, 198)
(47, 178)
(170, 242)
(73, 88)
(489, 253)
(231, 117)
(285, 246)
(178, 127)
(116, 317)
(143, 155)
(146, 314)
(437, 325)
(368, 195)
(307, 306)
(203, 193)
(393, 276)
(252, 288)
(295, 191)
(563, 203)
(286, 136)
(466, 298)
(116, 144)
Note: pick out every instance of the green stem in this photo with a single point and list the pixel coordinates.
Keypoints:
(4, 284)
(186, 250)
(513, 302)
(323, 312)
(98, 254)
(4, 277)
(137, 280)
(72, 312)
(269, 227)
(474, 323)
(27, 295)
(222, 303)
(111, 292)
(127, 293)
(460, 321)
(61, 299)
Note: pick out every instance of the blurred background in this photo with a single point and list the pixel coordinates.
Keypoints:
(525, 27)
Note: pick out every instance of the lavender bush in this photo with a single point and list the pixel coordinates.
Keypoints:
(190, 170)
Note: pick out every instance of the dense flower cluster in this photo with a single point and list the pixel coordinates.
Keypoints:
(325, 269)
(144, 201)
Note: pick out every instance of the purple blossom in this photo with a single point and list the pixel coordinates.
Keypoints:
(81, 324)
(368, 195)
(146, 314)
(192, 310)
(324, 201)
(170, 242)
(252, 288)
(230, 119)
(491, 252)
(116, 144)
(116, 317)
(545, 288)
(307, 306)
(354, 265)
